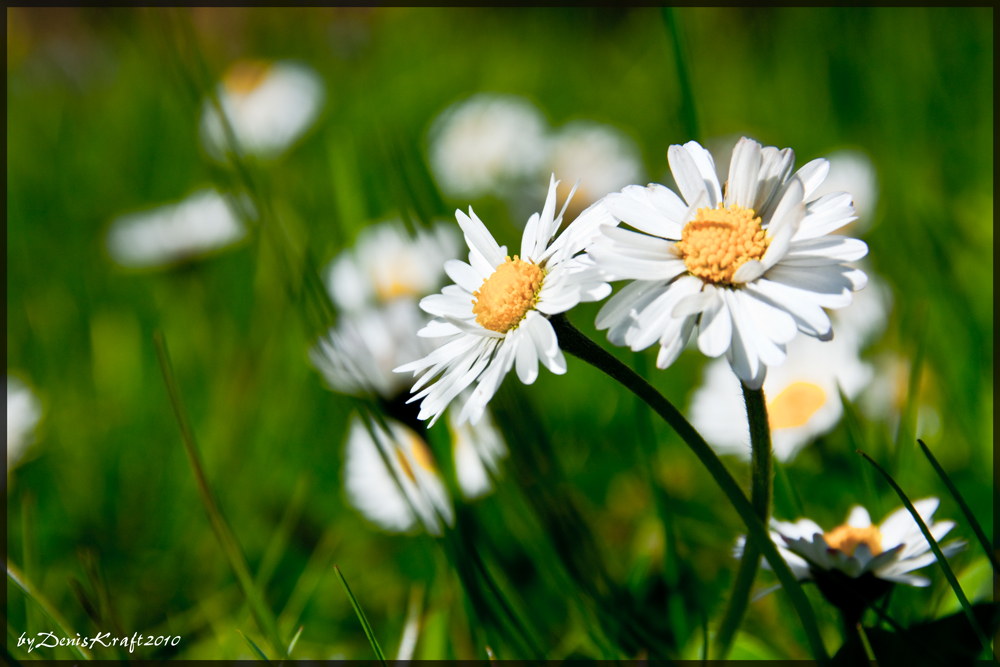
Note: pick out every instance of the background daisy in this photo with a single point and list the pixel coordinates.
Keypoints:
(269, 105)
(23, 413)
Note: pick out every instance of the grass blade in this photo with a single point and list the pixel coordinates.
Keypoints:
(227, 539)
(949, 575)
(976, 528)
(253, 647)
(688, 112)
(15, 577)
(295, 639)
(361, 617)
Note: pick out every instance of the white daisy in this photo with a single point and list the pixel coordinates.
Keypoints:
(269, 105)
(398, 495)
(601, 156)
(480, 145)
(497, 312)
(890, 551)
(387, 262)
(204, 221)
(23, 413)
(748, 269)
(358, 355)
(803, 401)
(478, 450)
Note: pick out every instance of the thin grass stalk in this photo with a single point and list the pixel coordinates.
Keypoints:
(966, 510)
(227, 539)
(253, 647)
(17, 578)
(361, 617)
(688, 112)
(949, 575)
(574, 342)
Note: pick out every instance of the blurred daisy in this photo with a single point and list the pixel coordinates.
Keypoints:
(804, 402)
(387, 262)
(269, 105)
(497, 313)
(749, 268)
(478, 450)
(479, 145)
(600, 156)
(358, 355)
(202, 222)
(803, 399)
(889, 552)
(392, 480)
(23, 413)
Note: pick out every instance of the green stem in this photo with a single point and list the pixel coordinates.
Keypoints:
(760, 498)
(580, 346)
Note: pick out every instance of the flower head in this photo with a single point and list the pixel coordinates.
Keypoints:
(390, 477)
(478, 449)
(268, 104)
(748, 268)
(23, 413)
(858, 550)
(497, 313)
(485, 143)
(201, 223)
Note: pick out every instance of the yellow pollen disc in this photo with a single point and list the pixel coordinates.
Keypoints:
(422, 455)
(846, 538)
(506, 296)
(719, 241)
(389, 290)
(795, 405)
(244, 76)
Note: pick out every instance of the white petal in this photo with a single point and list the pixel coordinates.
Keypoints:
(464, 275)
(859, 517)
(526, 358)
(827, 286)
(826, 214)
(824, 250)
(669, 205)
(478, 237)
(784, 224)
(529, 237)
(641, 215)
(772, 321)
(716, 328)
(744, 170)
(749, 271)
(674, 340)
(619, 306)
(751, 329)
(774, 170)
(689, 178)
(812, 174)
(444, 304)
(800, 304)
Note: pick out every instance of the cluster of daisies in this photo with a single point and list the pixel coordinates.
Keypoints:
(738, 271)
(737, 267)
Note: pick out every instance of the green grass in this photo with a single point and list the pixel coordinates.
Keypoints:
(101, 121)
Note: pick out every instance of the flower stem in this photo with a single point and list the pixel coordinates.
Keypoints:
(760, 498)
(574, 342)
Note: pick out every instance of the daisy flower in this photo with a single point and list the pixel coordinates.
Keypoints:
(749, 268)
(601, 156)
(387, 262)
(23, 413)
(478, 450)
(480, 145)
(803, 398)
(203, 222)
(857, 550)
(268, 104)
(496, 315)
(390, 477)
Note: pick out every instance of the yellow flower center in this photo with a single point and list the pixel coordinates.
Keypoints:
(394, 288)
(719, 241)
(507, 295)
(846, 538)
(244, 76)
(421, 454)
(795, 405)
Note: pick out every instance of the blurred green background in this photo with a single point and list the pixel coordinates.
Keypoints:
(101, 121)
